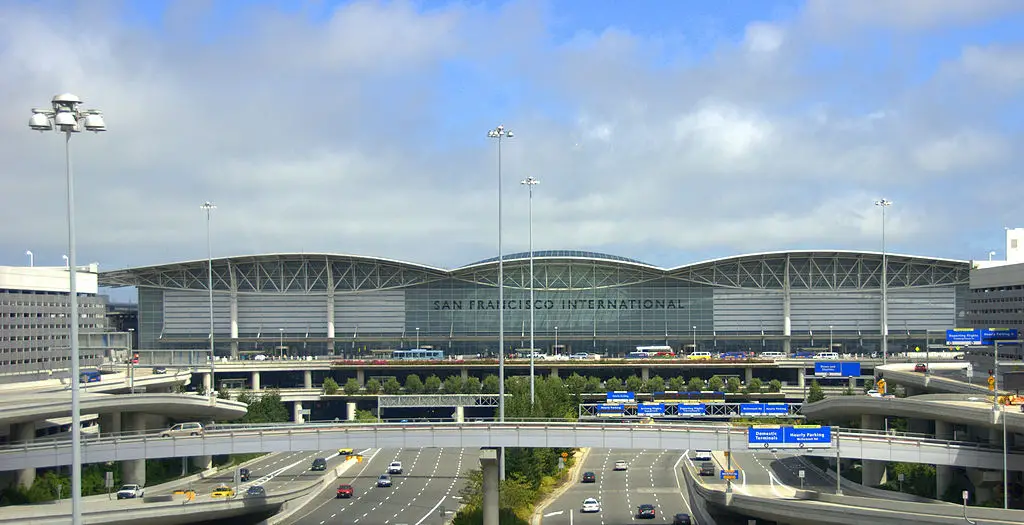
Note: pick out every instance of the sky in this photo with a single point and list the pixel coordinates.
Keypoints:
(669, 132)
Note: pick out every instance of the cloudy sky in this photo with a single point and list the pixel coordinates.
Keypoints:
(670, 132)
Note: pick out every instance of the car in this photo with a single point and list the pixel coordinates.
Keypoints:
(681, 519)
(244, 474)
(920, 367)
(707, 468)
(395, 467)
(620, 465)
(256, 491)
(589, 477)
(319, 464)
(645, 511)
(130, 491)
(874, 393)
(345, 491)
(158, 370)
(342, 451)
(384, 480)
(223, 491)
(591, 505)
(184, 429)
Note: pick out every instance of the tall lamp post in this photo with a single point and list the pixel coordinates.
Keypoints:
(209, 207)
(417, 337)
(500, 134)
(829, 338)
(66, 116)
(694, 338)
(530, 182)
(31, 258)
(884, 203)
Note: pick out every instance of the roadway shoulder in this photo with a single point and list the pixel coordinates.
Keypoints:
(557, 493)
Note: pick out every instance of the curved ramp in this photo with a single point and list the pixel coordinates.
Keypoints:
(24, 408)
(975, 413)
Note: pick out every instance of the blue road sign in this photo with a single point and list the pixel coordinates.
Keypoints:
(696, 409)
(776, 409)
(609, 410)
(990, 335)
(651, 409)
(725, 474)
(799, 436)
(621, 395)
(751, 409)
(963, 337)
(837, 369)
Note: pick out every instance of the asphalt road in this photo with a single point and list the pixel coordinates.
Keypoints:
(430, 483)
(775, 469)
(651, 478)
(280, 471)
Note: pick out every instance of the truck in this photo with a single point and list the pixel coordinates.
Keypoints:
(130, 491)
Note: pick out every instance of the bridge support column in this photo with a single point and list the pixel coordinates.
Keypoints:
(133, 470)
(645, 373)
(460, 414)
(361, 377)
(801, 377)
(873, 472)
(110, 423)
(853, 383)
(554, 371)
(297, 412)
(917, 425)
(943, 478)
(465, 373)
(350, 411)
(748, 375)
(24, 432)
(255, 381)
(491, 484)
(307, 379)
(943, 430)
(202, 462)
(207, 382)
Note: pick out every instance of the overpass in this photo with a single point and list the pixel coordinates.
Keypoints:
(246, 439)
(25, 408)
(972, 411)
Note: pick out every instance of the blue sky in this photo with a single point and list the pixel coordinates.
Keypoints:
(669, 132)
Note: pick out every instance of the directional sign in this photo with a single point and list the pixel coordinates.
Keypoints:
(963, 337)
(621, 396)
(651, 409)
(610, 410)
(797, 436)
(837, 369)
(693, 410)
(729, 474)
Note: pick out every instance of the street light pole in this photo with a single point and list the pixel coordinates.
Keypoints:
(694, 338)
(209, 207)
(530, 182)
(67, 117)
(556, 340)
(884, 203)
(131, 361)
(280, 344)
(830, 338)
(31, 258)
(500, 133)
(417, 337)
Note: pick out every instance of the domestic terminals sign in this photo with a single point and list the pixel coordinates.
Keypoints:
(796, 436)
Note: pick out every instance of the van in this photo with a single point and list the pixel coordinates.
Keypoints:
(829, 356)
(184, 429)
(702, 455)
(701, 356)
(772, 355)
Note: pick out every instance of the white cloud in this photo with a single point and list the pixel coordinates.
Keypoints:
(967, 150)
(1001, 67)
(763, 37)
(904, 14)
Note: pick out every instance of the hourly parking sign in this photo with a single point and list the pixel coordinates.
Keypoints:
(796, 436)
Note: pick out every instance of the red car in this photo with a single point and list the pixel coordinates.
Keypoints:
(920, 367)
(345, 491)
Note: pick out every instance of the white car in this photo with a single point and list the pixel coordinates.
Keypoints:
(874, 393)
(590, 505)
(130, 491)
(395, 467)
(620, 465)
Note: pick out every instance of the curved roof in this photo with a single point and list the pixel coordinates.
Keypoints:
(559, 254)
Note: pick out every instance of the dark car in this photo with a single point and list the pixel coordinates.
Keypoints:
(589, 477)
(645, 511)
(157, 369)
(681, 519)
(243, 474)
(920, 367)
(256, 491)
(707, 468)
(344, 491)
(319, 464)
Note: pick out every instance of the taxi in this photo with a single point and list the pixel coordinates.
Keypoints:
(344, 452)
(223, 491)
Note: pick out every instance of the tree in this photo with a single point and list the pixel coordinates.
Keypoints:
(613, 384)
(869, 384)
(732, 385)
(392, 386)
(490, 384)
(716, 384)
(413, 384)
(453, 385)
(472, 385)
(754, 386)
(366, 415)
(654, 384)
(696, 384)
(815, 393)
(352, 386)
(330, 385)
(222, 393)
(372, 387)
(775, 385)
(576, 384)
(265, 408)
(634, 383)
(594, 384)
(432, 384)
(677, 383)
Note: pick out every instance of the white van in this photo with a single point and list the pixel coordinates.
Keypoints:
(702, 455)
(772, 355)
(827, 356)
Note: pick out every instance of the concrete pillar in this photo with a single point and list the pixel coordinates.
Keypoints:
(943, 430)
(207, 382)
(917, 426)
(554, 371)
(872, 471)
(202, 462)
(361, 377)
(465, 373)
(787, 318)
(234, 319)
(943, 478)
(350, 411)
(853, 383)
(748, 374)
(307, 379)
(491, 484)
(645, 373)
(110, 423)
(22, 433)
(460, 414)
(297, 412)
(133, 470)
(255, 380)
(801, 377)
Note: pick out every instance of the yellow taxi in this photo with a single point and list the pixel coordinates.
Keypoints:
(223, 491)
(344, 452)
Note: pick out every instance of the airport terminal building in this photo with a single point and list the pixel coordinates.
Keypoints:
(314, 304)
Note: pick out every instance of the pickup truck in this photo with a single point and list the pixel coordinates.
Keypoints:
(130, 491)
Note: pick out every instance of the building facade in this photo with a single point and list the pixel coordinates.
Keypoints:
(997, 297)
(583, 302)
(34, 322)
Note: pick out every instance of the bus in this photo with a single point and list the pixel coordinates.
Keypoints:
(656, 351)
(90, 376)
(418, 354)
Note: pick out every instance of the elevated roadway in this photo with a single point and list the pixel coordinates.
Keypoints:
(276, 473)
(903, 374)
(118, 382)
(977, 412)
(27, 408)
(242, 439)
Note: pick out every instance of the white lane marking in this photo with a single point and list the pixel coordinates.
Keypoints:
(366, 464)
(684, 493)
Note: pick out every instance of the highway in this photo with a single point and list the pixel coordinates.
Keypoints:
(769, 474)
(276, 472)
(429, 484)
(651, 478)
